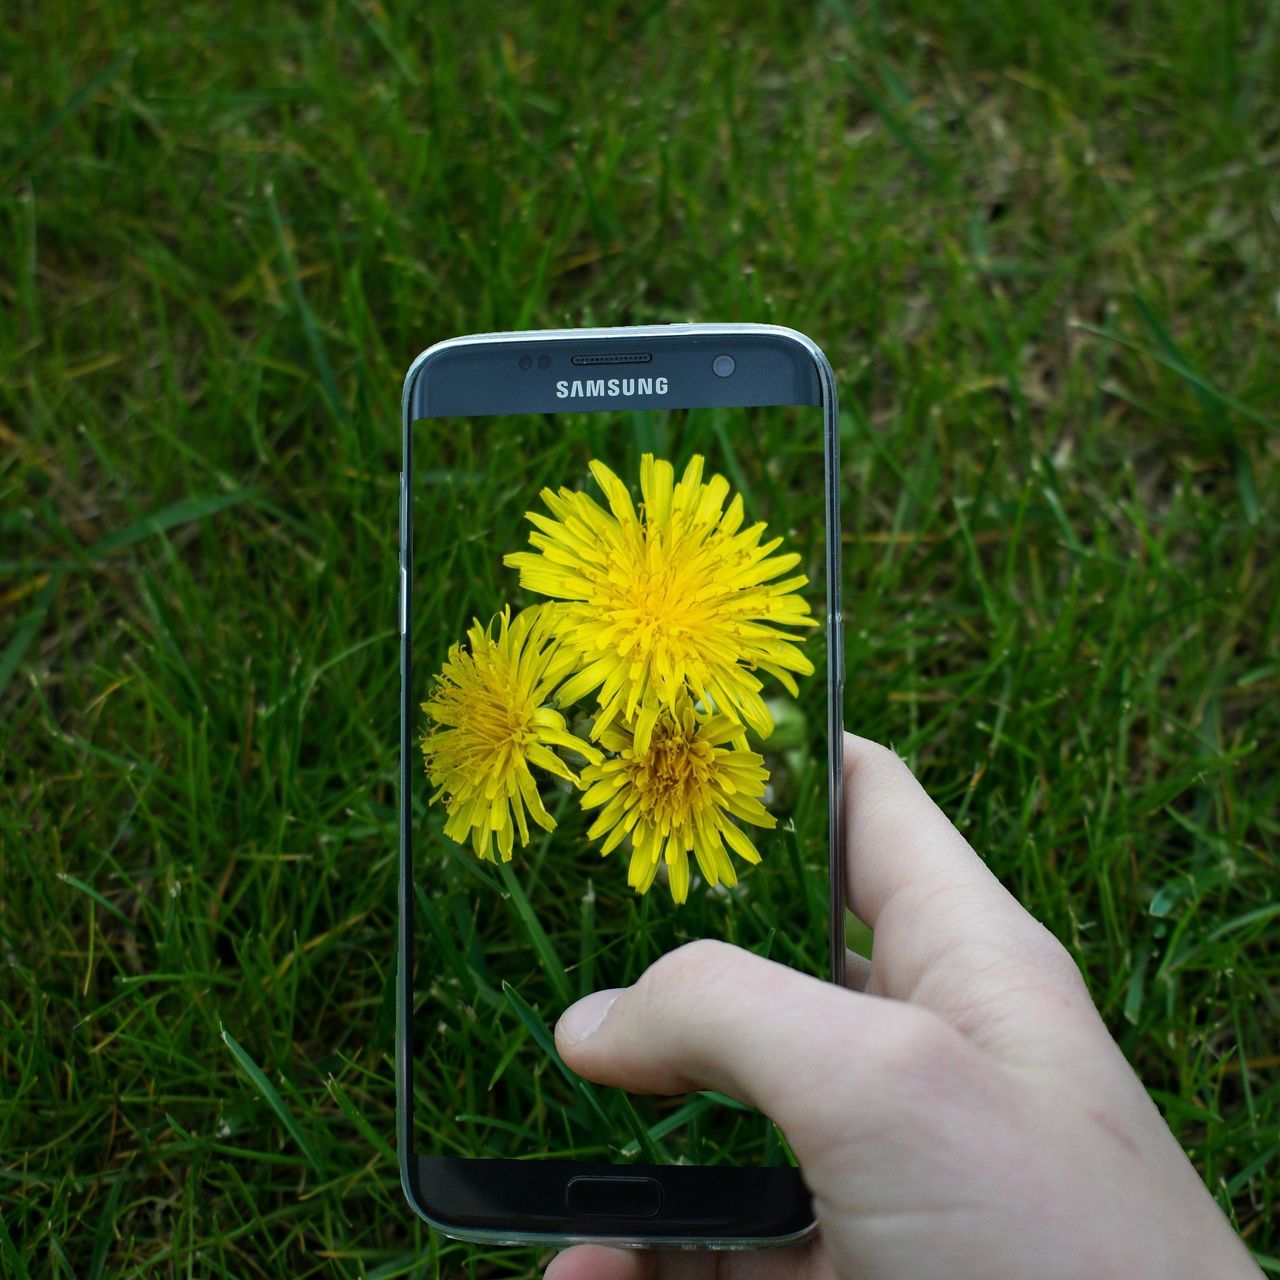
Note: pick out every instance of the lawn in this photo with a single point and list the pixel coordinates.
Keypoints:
(1039, 245)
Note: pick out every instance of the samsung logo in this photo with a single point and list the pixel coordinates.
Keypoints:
(610, 387)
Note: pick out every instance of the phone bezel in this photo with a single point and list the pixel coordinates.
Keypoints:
(448, 380)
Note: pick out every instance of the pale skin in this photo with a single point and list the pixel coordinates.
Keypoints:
(959, 1110)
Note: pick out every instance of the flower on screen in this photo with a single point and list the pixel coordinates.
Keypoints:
(492, 727)
(681, 792)
(666, 617)
(675, 597)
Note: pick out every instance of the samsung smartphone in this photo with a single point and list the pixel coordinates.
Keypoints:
(620, 731)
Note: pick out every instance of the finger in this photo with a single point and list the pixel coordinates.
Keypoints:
(948, 935)
(712, 1016)
(595, 1262)
(897, 839)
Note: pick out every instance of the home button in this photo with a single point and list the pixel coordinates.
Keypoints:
(614, 1197)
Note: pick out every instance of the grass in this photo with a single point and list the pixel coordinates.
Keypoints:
(1037, 243)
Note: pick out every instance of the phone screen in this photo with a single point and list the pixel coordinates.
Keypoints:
(620, 681)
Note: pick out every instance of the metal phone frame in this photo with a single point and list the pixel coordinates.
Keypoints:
(835, 677)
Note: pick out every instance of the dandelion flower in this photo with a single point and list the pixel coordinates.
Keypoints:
(680, 793)
(492, 727)
(679, 596)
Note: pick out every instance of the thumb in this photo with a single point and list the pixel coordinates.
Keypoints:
(712, 1016)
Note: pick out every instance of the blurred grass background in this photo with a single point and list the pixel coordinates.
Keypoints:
(1039, 244)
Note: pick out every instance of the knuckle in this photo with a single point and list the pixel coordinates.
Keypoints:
(1002, 985)
(683, 990)
(917, 1041)
(1062, 971)
(1044, 960)
(705, 960)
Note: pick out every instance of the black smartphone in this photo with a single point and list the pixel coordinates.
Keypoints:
(622, 666)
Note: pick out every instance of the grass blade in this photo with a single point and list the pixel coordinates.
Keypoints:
(309, 328)
(76, 883)
(546, 1042)
(367, 1131)
(17, 647)
(1179, 366)
(552, 965)
(31, 144)
(587, 942)
(642, 1135)
(184, 511)
(895, 124)
(13, 1264)
(269, 1092)
(1209, 402)
(106, 1225)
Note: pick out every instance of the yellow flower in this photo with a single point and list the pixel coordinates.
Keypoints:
(678, 597)
(489, 706)
(678, 794)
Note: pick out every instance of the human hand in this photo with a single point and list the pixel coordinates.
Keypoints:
(959, 1111)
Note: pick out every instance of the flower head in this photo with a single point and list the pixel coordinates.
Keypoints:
(678, 794)
(492, 726)
(678, 598)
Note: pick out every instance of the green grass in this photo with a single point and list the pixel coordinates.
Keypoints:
(1038, 244)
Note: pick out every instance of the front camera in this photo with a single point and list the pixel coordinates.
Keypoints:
(526, 362)
(723, 366)
(544, 362)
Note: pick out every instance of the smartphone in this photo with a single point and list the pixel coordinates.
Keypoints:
(621, 680)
